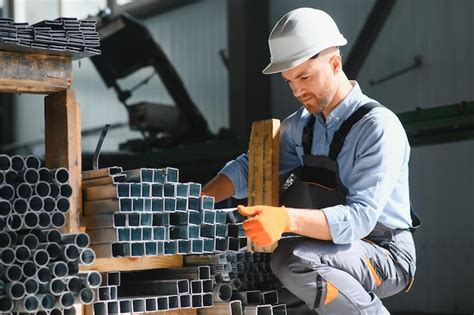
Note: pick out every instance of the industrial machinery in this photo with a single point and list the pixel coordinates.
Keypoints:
(128, 46)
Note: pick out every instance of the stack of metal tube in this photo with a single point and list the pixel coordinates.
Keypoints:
(155, 290)
(39, 268)
(244, 277)
(148, 212)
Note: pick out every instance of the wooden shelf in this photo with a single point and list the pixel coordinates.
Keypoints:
(134, 263)
(34, 73)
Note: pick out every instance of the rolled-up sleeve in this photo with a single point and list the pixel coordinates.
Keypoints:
(237, 171)
(381, 149)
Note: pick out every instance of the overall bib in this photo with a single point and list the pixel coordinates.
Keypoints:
(332, 278)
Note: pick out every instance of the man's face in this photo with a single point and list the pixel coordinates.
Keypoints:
(313, 83)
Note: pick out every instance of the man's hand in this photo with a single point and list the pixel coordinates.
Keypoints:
(266, 224)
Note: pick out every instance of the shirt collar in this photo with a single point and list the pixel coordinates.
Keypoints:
(344, 108)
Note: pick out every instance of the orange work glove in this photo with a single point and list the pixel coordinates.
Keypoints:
(266, 224)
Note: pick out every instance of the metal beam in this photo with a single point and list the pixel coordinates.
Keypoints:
(367, 37)
(249, 89)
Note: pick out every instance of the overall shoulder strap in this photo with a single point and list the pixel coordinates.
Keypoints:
(340, 135)
(307, 140)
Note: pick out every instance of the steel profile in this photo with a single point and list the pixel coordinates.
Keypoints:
(138, 305)
(185, 301)
(125, 306)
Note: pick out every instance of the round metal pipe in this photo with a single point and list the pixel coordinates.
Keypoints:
(44, 220)
(47, 301)
(30, 240)
(49, 204)
(63, 204)
(30, 176)
(13, 273)
(45, 174)
(86, 296)
(11, 177)
(30, 220)
(70, 252)
(6, 304)
(5, 207)
(73, 267)
(65, 190)
(18, 163)
(20, 206)
(53, 236)
(29, 269)
(14, 222)
(53, 190)
(31, 286)
(8, 256)
(73, 284)
(2, 177)
(41, 257)
(57, 286)
(65, 300)
(59, 269)
(43, 275)
(80, 239)
(53, 250)
(22, 253)
(93, 279)
(24, 190)
(3, 224)
(5, 162)
(39, 234)
(42, 189)
(5, 240)
(31, 304)
(35, 203)
(58, 220)
(7, 192)
(56, 311)
(61, 175)
(15, 290)
(223, 292)
(87, 256)
(32, 161)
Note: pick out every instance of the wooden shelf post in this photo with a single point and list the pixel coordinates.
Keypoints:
(263, 179)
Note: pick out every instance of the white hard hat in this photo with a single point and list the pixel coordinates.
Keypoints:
(299, 35)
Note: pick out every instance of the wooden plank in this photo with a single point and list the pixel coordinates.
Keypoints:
(102, 181)
(263, 179)
(134, 263)
(100, 192)
(34, 73)
(63, 146)
(185, 311)
(102, 172)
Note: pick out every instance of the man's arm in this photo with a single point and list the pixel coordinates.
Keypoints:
(220, 187)
(310, 223)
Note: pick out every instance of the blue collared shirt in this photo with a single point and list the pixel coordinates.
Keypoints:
(373, 166)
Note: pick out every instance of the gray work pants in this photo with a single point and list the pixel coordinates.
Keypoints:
(345, 279)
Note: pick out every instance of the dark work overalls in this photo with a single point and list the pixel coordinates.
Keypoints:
(332, 278)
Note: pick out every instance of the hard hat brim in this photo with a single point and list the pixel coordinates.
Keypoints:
(277, 67)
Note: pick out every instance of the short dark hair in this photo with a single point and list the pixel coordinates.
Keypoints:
(315, 56)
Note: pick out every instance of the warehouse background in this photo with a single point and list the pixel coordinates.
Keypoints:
(193, 35)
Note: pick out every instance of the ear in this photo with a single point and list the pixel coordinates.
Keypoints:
(336, 63)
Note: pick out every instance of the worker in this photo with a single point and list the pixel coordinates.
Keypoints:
(344, 167)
